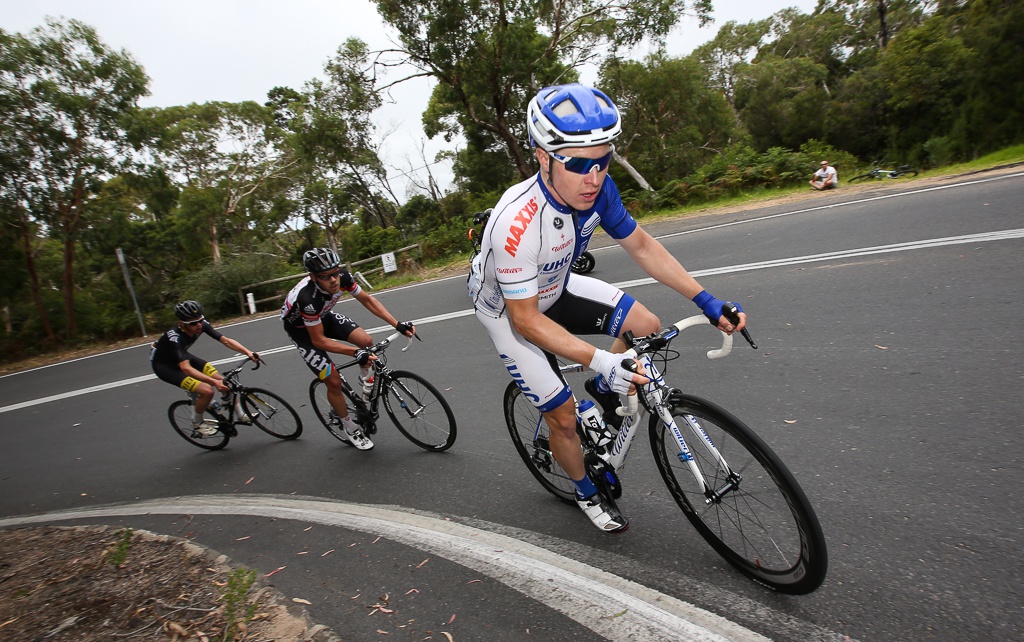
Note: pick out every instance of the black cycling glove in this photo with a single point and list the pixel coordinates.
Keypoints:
(362, 355)
(404, 326)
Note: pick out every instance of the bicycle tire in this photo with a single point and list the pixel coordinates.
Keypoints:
(906, 172)
(864, 177)
(271, 414)
(765, 527)
(324, 412)
(180, 413)
(428, 420)
(531, 435)
(584, 263)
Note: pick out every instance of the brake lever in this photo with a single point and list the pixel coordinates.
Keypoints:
(731, 312)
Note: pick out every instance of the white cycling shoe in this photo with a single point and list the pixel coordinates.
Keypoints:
(358, 439)
(207, 429)
(603, 514)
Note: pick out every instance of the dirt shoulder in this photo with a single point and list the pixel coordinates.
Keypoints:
(98, 584)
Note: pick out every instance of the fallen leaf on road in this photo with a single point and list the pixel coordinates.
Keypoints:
(327, 553)
(239, 539)
(422, 563)
(881, 347)
(250, 479)
(279, 568)
(448, 635)
(450, 621)
(299, 600)
(789, 421)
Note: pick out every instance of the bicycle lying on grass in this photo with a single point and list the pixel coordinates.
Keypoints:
(730, 485)
(270, 413)
(415, 406)
(879, 173)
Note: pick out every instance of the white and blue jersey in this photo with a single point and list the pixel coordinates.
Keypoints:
(527, 249)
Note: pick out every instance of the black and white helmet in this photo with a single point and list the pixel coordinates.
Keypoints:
(320, 259)
(188, 310)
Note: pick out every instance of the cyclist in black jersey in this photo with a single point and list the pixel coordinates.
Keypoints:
(316, 329)
(173, 363)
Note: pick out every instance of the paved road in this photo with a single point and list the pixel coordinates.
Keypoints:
(888, 379)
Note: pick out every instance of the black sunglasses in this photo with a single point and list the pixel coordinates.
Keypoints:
(326, 276)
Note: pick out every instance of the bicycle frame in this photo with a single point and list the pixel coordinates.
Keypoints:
(656, 397)
(382, 376)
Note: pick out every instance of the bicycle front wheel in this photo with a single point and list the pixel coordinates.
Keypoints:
(180, 414)
(754, 513)
(326, 414)
(419, 411)
(531, 436)
(272, 414)
(864, 177)
(910, 173)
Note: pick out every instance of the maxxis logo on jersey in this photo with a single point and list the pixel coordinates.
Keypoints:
(515, 232)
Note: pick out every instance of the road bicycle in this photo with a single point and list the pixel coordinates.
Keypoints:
(731, 486)
(415, 406)
(267, 411)
(583, 264)
(879, 173)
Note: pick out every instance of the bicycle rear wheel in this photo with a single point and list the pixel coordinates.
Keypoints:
(906, 172)
(531, 436)
(760, 520)
(864, 177)
(419, 411)
(180, 414)
(272, 414)
(326, 414)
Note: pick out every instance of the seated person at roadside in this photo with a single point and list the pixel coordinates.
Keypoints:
(173, 363)
(825, 178)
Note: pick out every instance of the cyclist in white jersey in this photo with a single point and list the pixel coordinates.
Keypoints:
(533, 306)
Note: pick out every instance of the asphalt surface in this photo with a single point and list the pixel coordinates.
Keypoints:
(888, 380)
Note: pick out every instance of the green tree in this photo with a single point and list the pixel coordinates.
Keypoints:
(490, 56)
(222, 155)
(66, 93)
(341, 177)
(674, 122)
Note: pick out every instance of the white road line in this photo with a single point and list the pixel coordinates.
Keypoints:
(609, 605)
(775, 263)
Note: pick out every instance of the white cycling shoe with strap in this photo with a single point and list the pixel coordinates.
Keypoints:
(603, 514)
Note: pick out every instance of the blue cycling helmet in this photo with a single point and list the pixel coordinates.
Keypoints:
(571, 116)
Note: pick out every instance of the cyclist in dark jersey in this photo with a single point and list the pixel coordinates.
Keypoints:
(173, 363)
(316, 329)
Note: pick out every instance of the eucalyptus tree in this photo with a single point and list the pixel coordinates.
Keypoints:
(220, 155)
(673, 121)
(490, 56)
(65, 93)
(342, 177)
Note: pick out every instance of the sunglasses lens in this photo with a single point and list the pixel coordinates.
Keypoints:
(578, 165)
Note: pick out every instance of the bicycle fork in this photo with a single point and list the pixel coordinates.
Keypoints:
(659, 398)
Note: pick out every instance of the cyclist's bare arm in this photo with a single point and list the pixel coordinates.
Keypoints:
(377, 308)
(656, 261)
(238, 347)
